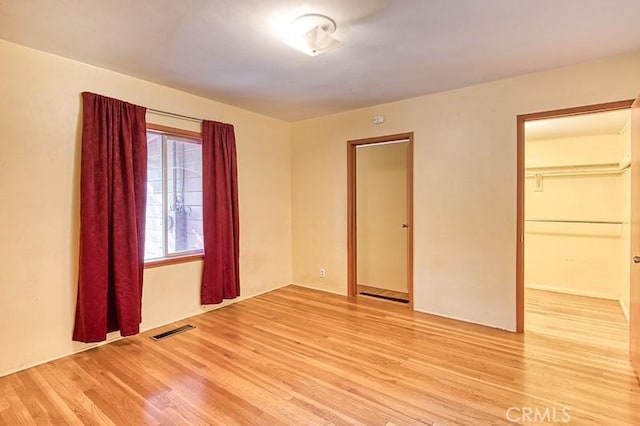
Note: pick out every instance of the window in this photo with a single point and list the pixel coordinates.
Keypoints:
(174, 196)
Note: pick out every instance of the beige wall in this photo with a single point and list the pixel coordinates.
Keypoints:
(39, 185)
(381, 181)
(583, 150)
(465, 184)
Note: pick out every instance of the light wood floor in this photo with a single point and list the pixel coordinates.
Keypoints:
(298, 356)
(382, 292)
(596, 323)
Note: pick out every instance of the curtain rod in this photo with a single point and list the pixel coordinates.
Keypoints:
(174, 115)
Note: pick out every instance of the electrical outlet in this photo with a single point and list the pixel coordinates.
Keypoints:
(323, 273)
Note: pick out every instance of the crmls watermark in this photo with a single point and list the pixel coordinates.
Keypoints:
(534, 415)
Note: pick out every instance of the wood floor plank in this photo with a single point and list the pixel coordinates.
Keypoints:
(300, 356)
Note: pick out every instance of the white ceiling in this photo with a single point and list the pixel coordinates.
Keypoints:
(229, 50)
(601, 123)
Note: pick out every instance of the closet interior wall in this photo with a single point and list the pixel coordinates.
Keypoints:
(577, 212)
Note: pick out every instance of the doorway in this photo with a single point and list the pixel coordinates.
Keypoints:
(577, 227)
(568, 215)
(631, 265)
(380, 206)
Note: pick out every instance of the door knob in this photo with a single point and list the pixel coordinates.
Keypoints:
(404, 225)
(636, 259)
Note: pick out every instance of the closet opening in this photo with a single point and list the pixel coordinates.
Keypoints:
(574, 224)
(380, 241)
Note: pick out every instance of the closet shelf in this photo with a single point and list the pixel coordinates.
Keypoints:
(577, 170)
(592, 228)
(596, 222)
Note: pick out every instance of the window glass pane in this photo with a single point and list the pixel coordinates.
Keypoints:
(184, 190)
(153, 247)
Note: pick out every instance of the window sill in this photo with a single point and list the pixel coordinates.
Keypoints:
(173, 260)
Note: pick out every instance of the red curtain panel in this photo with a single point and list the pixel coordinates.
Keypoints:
(112, 217)
(221, 272)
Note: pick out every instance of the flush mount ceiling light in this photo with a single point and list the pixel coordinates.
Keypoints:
(311, 34)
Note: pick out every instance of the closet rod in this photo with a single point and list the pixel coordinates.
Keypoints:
(606, 169)
(174, 115)
(596, 222)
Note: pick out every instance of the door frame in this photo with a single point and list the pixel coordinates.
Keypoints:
(520, 122)
(352, 237)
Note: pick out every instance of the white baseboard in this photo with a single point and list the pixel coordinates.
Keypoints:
(625, 310)
(574, 292)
